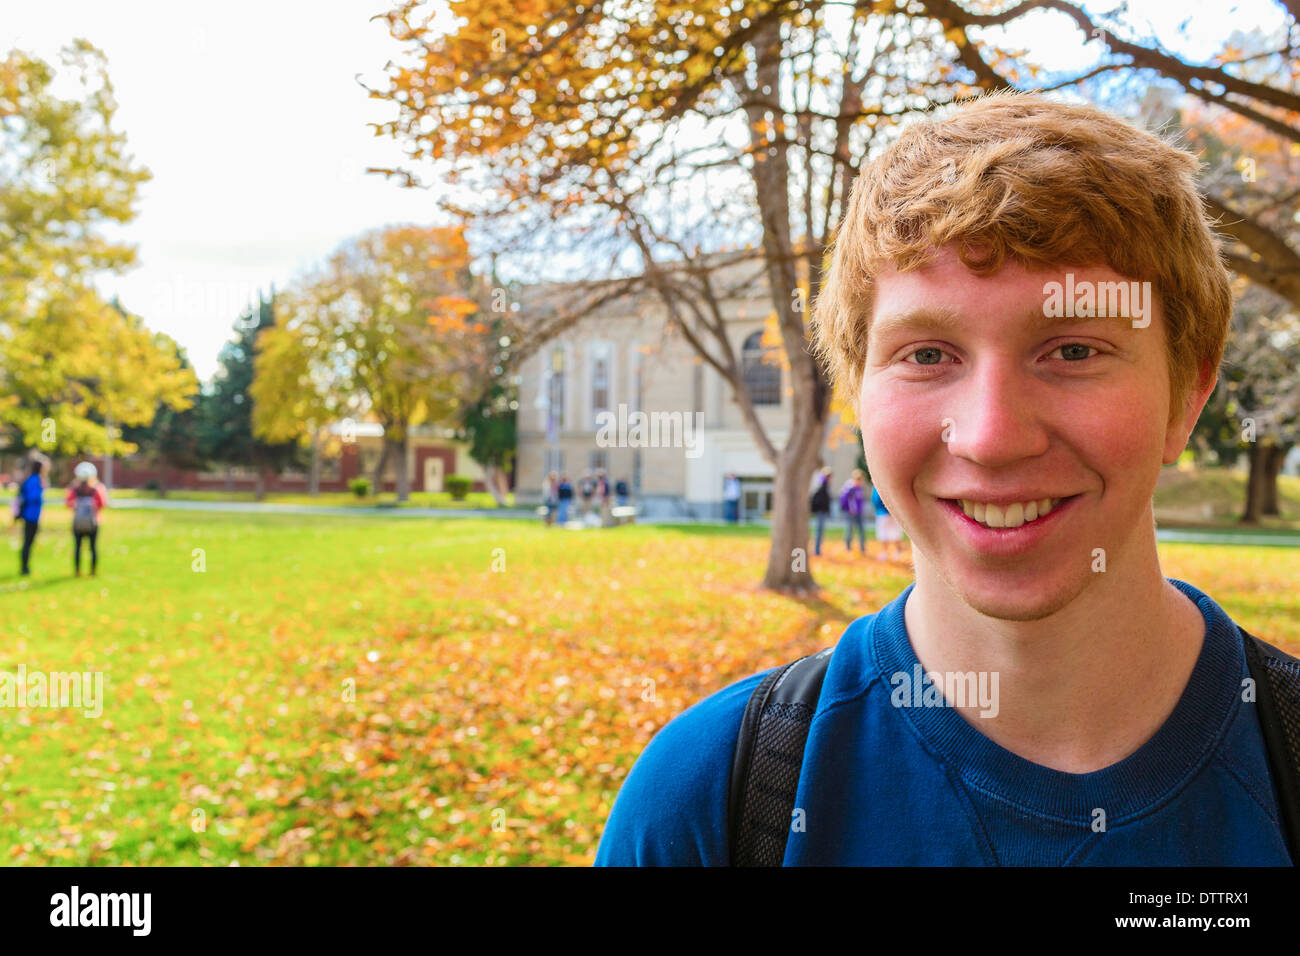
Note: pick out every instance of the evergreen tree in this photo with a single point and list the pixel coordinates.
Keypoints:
(225, 427)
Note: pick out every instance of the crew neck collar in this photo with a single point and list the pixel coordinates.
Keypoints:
(1181, 745)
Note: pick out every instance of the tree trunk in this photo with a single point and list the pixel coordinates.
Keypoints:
(378, 479)
(403, 471)
(495, 479)
(260, 483)
(787, 558)
(1256, 483)
(230, 480)
(1277, 455)
(313, 482)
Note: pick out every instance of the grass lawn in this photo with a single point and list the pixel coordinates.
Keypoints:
(474, 500)
(372, 692)
(1216, 497)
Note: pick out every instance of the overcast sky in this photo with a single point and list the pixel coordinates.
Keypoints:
(249, 117)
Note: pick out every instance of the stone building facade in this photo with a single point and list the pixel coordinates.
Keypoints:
(580, 394)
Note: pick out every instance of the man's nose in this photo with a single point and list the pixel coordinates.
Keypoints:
(997, 418)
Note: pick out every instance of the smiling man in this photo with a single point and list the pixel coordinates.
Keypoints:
(1030, 307)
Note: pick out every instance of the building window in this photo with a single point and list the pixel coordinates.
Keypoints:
(554, 462)
(697, 387)
(761, 378)
(598, 460)
(556, 393)
(600, 398)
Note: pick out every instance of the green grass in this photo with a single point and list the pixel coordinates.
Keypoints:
(474, 500)
(1216, 497)
(519, 696)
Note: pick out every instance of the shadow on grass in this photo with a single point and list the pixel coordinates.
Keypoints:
(15, 583)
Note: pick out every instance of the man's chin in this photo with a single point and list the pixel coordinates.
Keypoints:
(1040, 600)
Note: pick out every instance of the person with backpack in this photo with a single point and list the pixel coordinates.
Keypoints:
(820, 506)
(27, 505)
(86, 497)
(564, 498)
(853, 501)
(620, 492)
(1040, 694)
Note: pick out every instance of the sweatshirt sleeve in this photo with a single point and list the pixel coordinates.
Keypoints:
(70, 499)
(672, 809)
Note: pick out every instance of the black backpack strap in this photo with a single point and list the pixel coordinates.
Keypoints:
(1277, 697)
(767, 760)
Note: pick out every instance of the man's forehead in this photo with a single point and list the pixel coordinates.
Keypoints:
(946, 296)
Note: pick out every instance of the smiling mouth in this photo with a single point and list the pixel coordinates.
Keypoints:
(1012, 515)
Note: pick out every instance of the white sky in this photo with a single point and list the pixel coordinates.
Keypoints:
(255, 131)
(249, 117)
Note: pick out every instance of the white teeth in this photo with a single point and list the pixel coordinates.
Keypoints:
(1009, 516)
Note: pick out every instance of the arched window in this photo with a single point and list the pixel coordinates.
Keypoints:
(761, 378)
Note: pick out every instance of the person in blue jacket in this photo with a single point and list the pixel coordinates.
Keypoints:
(30, 498)
(1028, 343)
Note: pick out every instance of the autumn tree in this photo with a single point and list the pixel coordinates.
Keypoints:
(379, 328)
(718, 143)
(74, 368)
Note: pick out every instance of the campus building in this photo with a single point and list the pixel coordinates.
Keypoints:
(583, 394)
(431, 456)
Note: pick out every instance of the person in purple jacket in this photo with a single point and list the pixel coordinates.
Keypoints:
(853, 503)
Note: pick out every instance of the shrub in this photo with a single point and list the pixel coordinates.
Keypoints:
(359, 487)
(458, 485)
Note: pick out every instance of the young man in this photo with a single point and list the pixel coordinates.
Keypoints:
(1016, 405)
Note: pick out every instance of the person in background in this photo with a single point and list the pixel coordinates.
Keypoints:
(853, 501)
(620, 492)
(31, 494)
(888, 531)
(731, 497)
(564, 498)
(550, 488)
(586, 488)
(821, 506)
(86, 497)
(603, 494)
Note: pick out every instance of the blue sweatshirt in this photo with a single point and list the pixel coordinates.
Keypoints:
(32, 492)
(918, 785)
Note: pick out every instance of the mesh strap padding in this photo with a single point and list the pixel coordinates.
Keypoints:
(771, 785)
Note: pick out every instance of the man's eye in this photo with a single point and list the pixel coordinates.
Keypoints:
(928, 356)
(1075, 352)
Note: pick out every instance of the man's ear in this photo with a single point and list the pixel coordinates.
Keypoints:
(1181, 422)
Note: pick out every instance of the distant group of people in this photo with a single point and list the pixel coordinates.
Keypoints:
(595, 496)
(857, 507)
(86, 497)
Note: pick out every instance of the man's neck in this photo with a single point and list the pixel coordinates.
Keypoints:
(1073, 694)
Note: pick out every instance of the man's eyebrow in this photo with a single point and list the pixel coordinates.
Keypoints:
(947, 319)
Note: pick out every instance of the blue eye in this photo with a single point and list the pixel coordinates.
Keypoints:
(1076, 352)
(928, 356)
